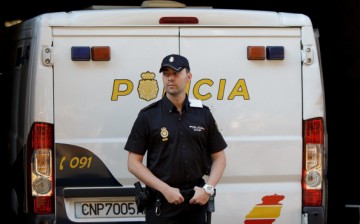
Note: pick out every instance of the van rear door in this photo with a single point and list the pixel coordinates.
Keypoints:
(96, 103)
(258, 107)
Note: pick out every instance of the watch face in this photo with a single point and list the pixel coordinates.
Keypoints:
(209, 189)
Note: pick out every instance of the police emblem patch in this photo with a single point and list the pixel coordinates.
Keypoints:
(148, 87)
(164, 134)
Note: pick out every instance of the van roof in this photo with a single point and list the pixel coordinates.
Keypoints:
(151, 16)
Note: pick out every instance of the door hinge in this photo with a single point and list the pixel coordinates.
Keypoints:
(307, 55)
(47, 56)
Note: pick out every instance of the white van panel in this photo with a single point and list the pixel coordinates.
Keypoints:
(268, 121)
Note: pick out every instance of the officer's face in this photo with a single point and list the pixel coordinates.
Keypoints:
(175, 82)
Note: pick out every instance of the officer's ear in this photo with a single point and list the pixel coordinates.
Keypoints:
(189, 75)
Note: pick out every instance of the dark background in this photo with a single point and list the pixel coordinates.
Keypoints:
(339, 26)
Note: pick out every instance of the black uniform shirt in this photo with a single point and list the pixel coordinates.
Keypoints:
(177, 145)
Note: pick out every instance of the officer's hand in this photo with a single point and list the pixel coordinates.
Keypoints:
(173, 195)
(200, 197)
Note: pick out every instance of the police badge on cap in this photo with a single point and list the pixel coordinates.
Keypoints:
(175, 61)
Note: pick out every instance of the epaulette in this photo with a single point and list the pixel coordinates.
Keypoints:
(195, 103)
(149, 106)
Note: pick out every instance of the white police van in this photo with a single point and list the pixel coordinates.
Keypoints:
(80, 79)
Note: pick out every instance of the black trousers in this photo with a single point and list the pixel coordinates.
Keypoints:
(184, 213)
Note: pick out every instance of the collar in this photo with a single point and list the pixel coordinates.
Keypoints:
(169, 106)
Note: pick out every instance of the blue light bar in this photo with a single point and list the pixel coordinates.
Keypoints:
(80, 53)
(275, 53)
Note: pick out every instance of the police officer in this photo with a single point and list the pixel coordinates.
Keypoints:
(179, 135)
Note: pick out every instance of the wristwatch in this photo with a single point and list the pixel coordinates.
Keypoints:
(209, 189)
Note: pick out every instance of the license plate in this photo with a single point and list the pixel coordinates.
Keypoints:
(109, 209)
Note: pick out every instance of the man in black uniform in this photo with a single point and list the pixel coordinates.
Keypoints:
(179, 135)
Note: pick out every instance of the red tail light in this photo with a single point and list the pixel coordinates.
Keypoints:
(43, 205)
(178, 20)
(313, 165)
(41, 169)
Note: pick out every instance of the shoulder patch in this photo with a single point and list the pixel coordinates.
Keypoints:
(195, 103)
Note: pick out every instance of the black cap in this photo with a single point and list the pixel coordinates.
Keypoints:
(175, 61)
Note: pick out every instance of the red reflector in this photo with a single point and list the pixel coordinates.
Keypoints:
(312, 197)
(42, 136)
(256, 53)
(314, 131)
(179, 20)
(100, 53)
(43, 205)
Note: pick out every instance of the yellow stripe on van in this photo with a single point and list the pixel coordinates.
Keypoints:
(267, 211)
